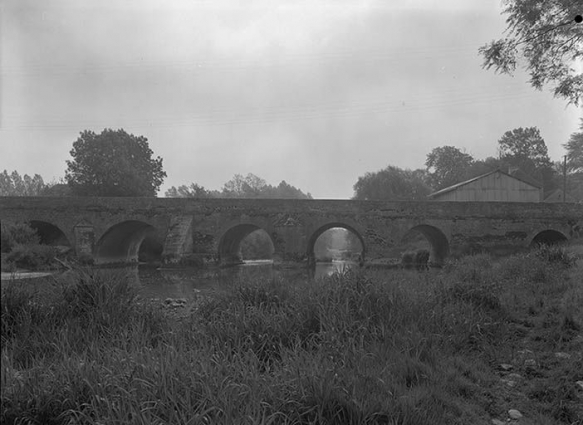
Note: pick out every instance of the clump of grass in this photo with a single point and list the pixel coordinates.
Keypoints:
(555, 254)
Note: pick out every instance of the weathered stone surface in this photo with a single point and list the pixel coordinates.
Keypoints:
(210, 230)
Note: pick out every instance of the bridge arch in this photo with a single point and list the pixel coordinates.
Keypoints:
(121, 242)
(49, 233)
(437, 240)
(229, 247)
(548, 237)
(310, 253)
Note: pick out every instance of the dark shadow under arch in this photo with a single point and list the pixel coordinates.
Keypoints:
(548, 237)
(230, 243)
(49, 234)
(437, 240)
(315, 235)
(121, 242)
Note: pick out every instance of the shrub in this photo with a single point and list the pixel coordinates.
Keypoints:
(555, 255)
(17, 234)
(421, 258)
(32, 256)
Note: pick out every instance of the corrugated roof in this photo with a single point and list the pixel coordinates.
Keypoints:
(460, 184)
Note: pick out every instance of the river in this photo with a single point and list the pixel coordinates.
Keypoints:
(189, 283)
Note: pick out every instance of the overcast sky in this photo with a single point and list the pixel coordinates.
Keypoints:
(312, 92)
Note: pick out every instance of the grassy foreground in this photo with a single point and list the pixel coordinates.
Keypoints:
(457, 346)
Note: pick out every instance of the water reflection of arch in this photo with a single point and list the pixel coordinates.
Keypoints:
(233, 233)
(437, 240)
(120, 243)
(317, 231)
(546, 236)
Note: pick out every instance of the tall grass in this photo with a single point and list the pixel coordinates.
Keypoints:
(394, 348)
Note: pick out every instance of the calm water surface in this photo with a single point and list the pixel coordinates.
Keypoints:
(190, 283)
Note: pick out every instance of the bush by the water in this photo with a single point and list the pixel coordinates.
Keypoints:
(17, 234)
(32, 257)
(415, 259)
(21, 249)
(387, 348)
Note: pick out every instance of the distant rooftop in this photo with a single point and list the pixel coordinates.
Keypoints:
(518, 175)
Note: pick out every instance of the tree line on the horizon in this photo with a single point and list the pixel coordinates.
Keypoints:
(521, 151)
(115, 163)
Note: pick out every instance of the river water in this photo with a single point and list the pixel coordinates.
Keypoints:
(190, 283)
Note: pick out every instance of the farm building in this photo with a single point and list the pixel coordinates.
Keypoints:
(493, 186)
(558, 196)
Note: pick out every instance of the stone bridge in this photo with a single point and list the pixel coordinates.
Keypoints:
(197, 231)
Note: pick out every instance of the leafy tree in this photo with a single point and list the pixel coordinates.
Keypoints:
(525, 148)
(574, 148)
(16, 185)
(545, 34)
(285, 191)
(57, 189)
(447, 165)
(250, 186)
(482, 166)
(113, 163)
(392, 184)
(192, 191)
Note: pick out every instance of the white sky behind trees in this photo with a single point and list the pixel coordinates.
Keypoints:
(312, 92)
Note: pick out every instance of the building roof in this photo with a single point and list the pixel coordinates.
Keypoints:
(557, 196)
(520, 177)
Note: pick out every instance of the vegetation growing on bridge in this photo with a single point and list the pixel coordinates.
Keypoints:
(406, 347)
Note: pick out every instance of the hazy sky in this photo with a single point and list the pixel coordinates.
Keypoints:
(312, 92)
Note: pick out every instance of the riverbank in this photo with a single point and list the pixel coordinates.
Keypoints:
(470, 343)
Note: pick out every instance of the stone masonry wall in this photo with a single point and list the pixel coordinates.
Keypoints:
(201, 227)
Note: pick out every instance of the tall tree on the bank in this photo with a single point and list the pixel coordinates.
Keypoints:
(524, 146)
(447, 165)
(548, 36)
(14, 184)
(574, 148)
(525, 149)
(113, 163)
(392, 184)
